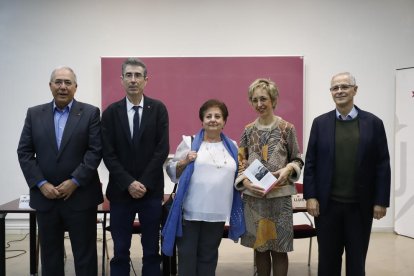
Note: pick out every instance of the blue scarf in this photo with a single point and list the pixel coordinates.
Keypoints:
(173, 225)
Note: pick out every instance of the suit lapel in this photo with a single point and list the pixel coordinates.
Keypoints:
(121, 111)
(330, 133)
(73, 119)
(363, 133)
(49, 125)
(146, 114)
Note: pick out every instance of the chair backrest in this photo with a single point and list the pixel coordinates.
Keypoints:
(299, 188)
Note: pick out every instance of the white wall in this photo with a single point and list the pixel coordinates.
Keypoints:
(404, 158)
(369, 38)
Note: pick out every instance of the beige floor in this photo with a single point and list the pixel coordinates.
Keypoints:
(389, 254)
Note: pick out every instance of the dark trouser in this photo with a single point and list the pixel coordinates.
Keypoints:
(122, 218)
(198, 248)
(81, 226)
(342, 227)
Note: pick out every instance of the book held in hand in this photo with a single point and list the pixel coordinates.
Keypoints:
(257, 173)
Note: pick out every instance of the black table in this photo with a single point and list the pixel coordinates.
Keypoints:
(12, 207)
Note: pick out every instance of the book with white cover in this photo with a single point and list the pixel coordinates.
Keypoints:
(257, 173)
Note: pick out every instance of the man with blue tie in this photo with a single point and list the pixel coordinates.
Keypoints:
(135, 147)
(347, 179)
(59, 152)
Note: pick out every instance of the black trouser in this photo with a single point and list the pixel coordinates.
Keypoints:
(342, 227)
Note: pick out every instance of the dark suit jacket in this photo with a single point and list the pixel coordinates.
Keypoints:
(79, 154)
(127, 162)
(373, 173)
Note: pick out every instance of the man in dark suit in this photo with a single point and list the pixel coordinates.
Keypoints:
(346, 179)
(135, 146)
(59, 152)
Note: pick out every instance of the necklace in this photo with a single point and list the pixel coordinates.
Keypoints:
(218, 166)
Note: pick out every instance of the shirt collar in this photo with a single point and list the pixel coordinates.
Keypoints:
(129, 105)
(68, 107)
(353, 113)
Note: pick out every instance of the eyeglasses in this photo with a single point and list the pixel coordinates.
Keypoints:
(260, 99)
(61, 82)
(137, 76)
(342, 87)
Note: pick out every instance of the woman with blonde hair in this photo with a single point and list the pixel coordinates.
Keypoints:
(269, 219)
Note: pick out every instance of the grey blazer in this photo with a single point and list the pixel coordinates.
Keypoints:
(78, 156)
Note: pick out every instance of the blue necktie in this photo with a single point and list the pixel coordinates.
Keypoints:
(136, 123)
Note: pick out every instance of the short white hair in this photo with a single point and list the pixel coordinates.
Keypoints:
(52, 76)
(349, 75)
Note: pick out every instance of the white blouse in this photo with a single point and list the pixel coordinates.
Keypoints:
(210, 193)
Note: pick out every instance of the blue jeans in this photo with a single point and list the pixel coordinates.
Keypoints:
(122, 218)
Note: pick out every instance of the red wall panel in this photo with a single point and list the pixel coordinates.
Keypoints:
(184, 83)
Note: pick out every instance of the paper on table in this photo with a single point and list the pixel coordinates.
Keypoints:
(24, 202)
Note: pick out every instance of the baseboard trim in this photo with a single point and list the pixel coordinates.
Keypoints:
(21, 226)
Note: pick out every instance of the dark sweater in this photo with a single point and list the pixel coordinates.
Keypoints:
(346, 146)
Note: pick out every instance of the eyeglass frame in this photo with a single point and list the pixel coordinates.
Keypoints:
(59, 82)
(130, 76)
(261, 99)
(344, 87)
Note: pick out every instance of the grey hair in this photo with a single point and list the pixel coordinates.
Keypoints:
(349, 75)
(134, 62)
(52, 76)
